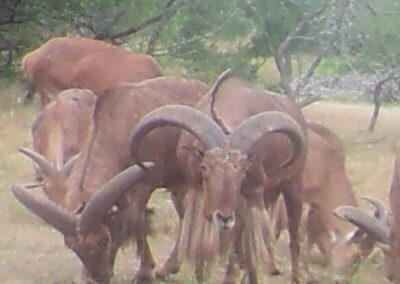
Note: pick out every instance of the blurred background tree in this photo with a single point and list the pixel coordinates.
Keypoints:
(306, 49)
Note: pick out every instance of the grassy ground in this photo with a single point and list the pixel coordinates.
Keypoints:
(31, 252)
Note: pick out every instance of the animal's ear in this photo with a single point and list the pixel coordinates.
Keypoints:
(194, 151)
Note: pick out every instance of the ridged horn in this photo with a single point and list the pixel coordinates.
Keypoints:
(383, 212)
(66, 169)
(100, 204)
(46, 210)
(222, 77)
(255, 127)
(185, 117)
(47, 169)
(377, 230)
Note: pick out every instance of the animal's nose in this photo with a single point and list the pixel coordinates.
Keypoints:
(226, 219)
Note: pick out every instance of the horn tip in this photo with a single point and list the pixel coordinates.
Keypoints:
(23, 150)
(147, 165)
(367, 198)
(341, 212)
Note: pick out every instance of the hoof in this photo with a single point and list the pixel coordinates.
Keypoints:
(276, 272)
(162, 273)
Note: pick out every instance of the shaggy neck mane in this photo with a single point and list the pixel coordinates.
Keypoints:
(199, 237)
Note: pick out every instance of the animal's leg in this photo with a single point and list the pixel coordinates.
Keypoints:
(199, 272)
(318, 233)
(262, 220)
(294, 212)
(45, 96)
(232, 269)
(273, 269)
(279, 218)
(270, 246)
(172, 264)
(147, 263)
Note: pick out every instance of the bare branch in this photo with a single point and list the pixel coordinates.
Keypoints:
(11, 19)
(376, 98)
(309, 100)
(282, 55)
(303, 81)
(169, 11)
(137, 28)
(165, 51)
(287, 43)
(371, 9)
(255, 15)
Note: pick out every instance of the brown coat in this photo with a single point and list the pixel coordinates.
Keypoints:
(77, 62)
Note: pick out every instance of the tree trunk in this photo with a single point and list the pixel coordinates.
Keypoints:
(375, 113)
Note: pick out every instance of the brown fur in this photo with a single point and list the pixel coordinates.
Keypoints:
(392, 261)
(77, 62)
(386, 229)
(106, 154)
(61, 128)
(325, 187)
(225, 175)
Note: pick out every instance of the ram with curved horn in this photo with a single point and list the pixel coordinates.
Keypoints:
(60, 130)
(239, 143)
(326, 186)
(101, 207)
(77, 62)
(384, 226)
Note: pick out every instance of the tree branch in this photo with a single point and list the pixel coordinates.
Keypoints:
(303, 81)
(287, 43)
(11, 19)
(169, 11)
(282, 55)
(164, 51)
(137, 28)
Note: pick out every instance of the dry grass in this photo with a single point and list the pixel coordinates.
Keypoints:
(31, 252)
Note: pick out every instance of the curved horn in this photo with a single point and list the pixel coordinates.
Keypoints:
(255, 127)
(383, 213)
(99, 205)
(42, 162)
(377, 230)
(68, 166)
(46, 210)
(224, 75)
(185, 117)
(32, 185)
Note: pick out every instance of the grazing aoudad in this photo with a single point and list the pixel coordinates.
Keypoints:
(103, 200)
(326, 185)
(240, 143)
(77, 62)
(383, 226)
(61, 128)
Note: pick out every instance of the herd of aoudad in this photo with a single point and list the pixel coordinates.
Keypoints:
(241, 164)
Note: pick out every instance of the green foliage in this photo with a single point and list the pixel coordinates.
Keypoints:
(204, 37)
(331, 66)
(375, 36)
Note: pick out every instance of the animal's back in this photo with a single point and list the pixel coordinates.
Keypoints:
(326, 184)
(60, 129)
(236, 94)
(116, 113)
(77, 62)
